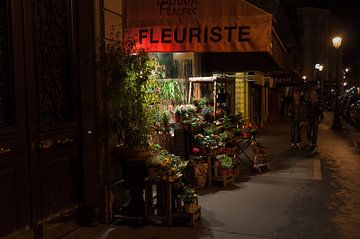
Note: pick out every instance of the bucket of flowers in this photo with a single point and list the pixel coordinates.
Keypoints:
(226, 164)
(189, 198)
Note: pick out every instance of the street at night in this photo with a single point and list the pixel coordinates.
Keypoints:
(179, 119)
(302, 196)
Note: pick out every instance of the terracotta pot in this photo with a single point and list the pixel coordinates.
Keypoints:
(225, 172)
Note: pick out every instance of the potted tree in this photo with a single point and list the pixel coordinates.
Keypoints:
(132, 92)
(131, 100)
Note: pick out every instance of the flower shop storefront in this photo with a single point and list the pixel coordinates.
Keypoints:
(202, 38)
(203, 143)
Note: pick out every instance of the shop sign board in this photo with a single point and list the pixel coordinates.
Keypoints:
(285, 77)
(198, 26)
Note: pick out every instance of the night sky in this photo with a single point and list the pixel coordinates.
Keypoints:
(349, 12)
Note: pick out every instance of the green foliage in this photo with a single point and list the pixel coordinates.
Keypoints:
(225, 160)
(132, 90)
(166, 162)
(170, 90)
(188, 195)
(201, 103)
(207, 142)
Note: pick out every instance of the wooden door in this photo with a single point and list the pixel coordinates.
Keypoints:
(53, 119)
(40, 141)
(14, 165)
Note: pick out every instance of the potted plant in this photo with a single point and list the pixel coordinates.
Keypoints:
(131, 101)
(200, 167)
(132, 92)
(226, 163)
(190, 199)
(167, 164)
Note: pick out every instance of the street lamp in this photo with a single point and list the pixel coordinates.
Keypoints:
(319, 68)
(336, 42)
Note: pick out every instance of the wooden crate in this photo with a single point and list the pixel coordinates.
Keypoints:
(187, 219)
(217, 177)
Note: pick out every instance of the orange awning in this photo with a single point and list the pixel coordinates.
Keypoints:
(206, 26)
(198, 26)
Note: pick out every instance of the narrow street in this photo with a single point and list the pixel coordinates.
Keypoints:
(302, 196)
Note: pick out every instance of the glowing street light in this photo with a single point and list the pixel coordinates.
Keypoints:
(336, 42)
(319, 68)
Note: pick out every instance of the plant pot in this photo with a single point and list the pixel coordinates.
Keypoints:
(225, 172)
(190, 208)
(134, 171)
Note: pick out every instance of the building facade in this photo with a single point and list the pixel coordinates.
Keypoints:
(318, 26)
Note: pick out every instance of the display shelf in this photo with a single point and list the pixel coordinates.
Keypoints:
(160, 202)
(187, 219)
(224, 179)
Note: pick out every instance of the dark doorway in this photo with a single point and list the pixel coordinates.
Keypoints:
(40, 143)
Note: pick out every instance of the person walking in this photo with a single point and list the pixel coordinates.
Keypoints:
(296, 114)
(314, 116)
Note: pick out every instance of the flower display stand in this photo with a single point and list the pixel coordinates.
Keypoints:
(236, 173)
(224, 179)
(160, 201)
(187, 215)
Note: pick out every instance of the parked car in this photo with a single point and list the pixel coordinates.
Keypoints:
(355, 114)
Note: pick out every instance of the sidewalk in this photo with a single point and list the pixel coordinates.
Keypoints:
(259, 206)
